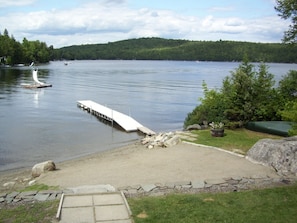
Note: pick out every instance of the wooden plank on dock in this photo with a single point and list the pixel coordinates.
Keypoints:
(126, 122)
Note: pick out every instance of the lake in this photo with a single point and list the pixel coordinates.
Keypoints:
(44, 124)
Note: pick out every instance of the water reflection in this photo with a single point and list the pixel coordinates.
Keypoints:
(9, 78)
(12, 78)
(38, 93)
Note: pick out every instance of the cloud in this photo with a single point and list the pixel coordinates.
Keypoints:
(220, 9)
(223, 25)
(15, 3)
(107, 21)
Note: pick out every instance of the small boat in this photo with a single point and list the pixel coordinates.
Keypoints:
(37, 83)
(280, 128)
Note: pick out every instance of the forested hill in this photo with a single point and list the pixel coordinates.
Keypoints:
(169, 49)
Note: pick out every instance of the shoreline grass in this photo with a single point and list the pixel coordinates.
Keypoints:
(239, 140)
(261, 205)
(44, 212)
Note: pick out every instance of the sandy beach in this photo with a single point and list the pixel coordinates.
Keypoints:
(135, 164)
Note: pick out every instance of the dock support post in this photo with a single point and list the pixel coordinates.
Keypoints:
(112, 118)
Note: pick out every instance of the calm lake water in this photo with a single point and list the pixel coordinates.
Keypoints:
(42, 124)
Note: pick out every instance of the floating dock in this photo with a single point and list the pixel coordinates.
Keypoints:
(126, 122)
(36, 85)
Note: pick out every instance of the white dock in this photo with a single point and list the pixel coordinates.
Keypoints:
(126, 122)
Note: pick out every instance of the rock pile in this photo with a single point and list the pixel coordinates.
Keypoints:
(281, 155)
(154, 189)
(29, 196)
(206, 186)
(161, 140)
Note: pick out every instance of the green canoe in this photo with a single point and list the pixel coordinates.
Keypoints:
(280, 128)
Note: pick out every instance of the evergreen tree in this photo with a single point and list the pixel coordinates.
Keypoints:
(287, 10)
(246, 95)
(288, 93)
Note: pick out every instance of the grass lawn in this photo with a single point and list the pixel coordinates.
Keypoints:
(266, 205)
(36, 212)
(240, 140)
(256, 206)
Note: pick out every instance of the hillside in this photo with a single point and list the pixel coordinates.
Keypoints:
(169, 49)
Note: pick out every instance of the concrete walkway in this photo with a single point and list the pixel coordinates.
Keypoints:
(109, 207)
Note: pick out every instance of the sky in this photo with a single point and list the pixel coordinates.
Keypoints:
(74, 22)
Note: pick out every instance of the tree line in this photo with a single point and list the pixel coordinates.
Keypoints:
(170, 49)
(13, 52)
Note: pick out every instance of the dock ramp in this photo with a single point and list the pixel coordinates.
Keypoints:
(126, 122)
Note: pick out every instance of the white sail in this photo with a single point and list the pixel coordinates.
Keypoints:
(35, 78)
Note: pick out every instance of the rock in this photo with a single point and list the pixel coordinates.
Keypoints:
(172, 141)
(146, 140)
(150, 147)
(9, 184)
(148, 187)
(40, 168)
(26, 179)
(278, 154)
(194, 127)
(160, 138)
(87, 189)
(198, 184)
(32, 182)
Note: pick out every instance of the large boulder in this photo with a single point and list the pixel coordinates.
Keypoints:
(278, 154)
(194, 127)
(40, 168)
